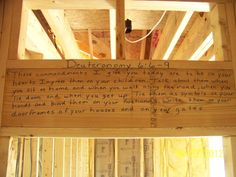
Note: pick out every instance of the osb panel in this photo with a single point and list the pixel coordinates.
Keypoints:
(99, 19)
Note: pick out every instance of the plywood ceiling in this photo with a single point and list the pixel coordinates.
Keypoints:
(98, 22)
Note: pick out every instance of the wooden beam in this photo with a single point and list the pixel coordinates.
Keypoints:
(128, 157)
(230, 142)
(74, 151)
(38, 41)
(230, 156)
(118, 132)
(67, 157)
(133, 63)
(4, 150)
(110, 4)
(205, 45)
(58, 158)
(43, 22)
(175, 25)
(143, 46)
(91, 153)
(231, 22)
(1, 17)
(208, 55)
(6, 18)
(112, 20)
(20, 155)
(12, 157)
(116, 157)
(27, 158)
(90, 43)
(219, 27)
(16, 49)
(120, 29)
(47, 154)
(104, 157)
(149, 159)
(63, 33)
(34, 153)
(142, 163)
(148, 47)
(169, 5)
(194, 38)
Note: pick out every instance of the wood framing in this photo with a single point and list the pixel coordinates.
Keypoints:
(75, 98)
(175, 25)
(143, 46)
(63, 33)
(230, 156)
(230, 142)
(231, 23)
(120, 28)
(118, 132)
(16, 48)
(194, 38)
(100, 50)
(37, 41)
(28, 92)
(208, 55)
(99, 19)
(4, 146)
(135, 5)
(90, 43)
(219, 27)
(112, 20)
(6, 19)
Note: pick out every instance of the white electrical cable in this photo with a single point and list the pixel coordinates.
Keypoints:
(153, 28)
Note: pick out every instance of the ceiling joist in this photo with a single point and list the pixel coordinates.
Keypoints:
(129, 4)
(112, 17)
(120, 29)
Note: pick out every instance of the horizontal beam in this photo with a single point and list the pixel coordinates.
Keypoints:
(110, 4)
(161, 95)
(133, 63)
(118, 132)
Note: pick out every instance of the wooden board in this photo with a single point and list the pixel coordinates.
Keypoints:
(129, 157)
(88, 19)
(104, 157)
(148, 157)
(95, 94)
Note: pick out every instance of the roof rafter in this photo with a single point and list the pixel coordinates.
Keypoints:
(175, 25)
(63, 32)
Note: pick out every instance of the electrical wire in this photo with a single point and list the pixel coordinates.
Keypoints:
(153, 28)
